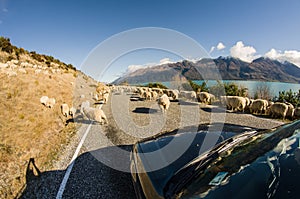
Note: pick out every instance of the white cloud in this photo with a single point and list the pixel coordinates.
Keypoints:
(164, 61)
(212, 49)
(244, 53)
(292, 56)
(220, 46)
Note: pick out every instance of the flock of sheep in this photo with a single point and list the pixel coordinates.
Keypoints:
(13, 67)
(165, 96)
(261, 106)
(233, 103)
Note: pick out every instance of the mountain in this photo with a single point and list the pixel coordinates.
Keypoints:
(227, 68)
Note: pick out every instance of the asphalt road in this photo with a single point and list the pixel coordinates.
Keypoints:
(89, 177)
(101, 168)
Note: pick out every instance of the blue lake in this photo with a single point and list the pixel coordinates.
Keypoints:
(274, 87)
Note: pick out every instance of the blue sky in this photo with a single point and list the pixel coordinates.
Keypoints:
(70, 30)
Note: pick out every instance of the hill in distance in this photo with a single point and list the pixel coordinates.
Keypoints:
(226, 68)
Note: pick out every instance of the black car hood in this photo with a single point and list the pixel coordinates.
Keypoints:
(273, 174)
(188, 144)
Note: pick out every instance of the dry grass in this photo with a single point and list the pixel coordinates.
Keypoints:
(27, 128)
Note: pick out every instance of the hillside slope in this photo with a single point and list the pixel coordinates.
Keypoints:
(29, 129)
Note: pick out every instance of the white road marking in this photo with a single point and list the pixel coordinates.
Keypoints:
(72, 162)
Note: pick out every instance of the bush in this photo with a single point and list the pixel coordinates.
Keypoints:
(5, 45)
(288, 96)
(262, 92)
(229, 89)
(156, 85)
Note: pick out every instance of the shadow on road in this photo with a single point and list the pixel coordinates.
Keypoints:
(144, 110)
(89, 179)
(213, 110)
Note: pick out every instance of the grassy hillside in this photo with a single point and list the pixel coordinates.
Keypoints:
(28, 129)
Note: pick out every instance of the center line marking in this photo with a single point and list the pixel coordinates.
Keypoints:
(72, 162)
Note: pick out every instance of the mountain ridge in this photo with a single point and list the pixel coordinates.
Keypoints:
(226, 68)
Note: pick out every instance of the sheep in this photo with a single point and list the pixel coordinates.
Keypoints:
(72, 111)
(237, 103)
(158, 90)
(270, 103)
(65, 110)
(174, 94)
(22, 70)
(44, 100)
(278, 109)
(163, 103)
(154, 95)
(147, 95)
(95, 114)
(290, 111)
(105, 97)
(37, 71)
(50, 103)
(258, 106)
(204, 97)
(190, 95)
(96, 97)
(2, 65)
(234, 102)
(84, 104)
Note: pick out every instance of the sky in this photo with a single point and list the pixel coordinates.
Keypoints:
(71, 30)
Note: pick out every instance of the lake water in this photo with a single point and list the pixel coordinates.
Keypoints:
(274, 87)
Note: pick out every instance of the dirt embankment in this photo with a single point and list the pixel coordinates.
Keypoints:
(29, 129)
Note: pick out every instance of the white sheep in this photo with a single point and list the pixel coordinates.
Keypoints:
(159, 91)
(278, 109)
(84, 104)
(2, 65)
(234, 102)
(105, 97)
(154, 95)
(189, 95)
(50, 103)
(290, 112)
(65, 110)
(204, 97)
(163, 103)
(147, 95)
(44, 100)
(258, 106)
(72, 111)
(95, 114)
(174, 94)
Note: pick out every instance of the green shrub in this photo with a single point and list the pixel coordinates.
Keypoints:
(5, 45)
(156, 85)
(195, 87)
(229, 89)
(288, 96)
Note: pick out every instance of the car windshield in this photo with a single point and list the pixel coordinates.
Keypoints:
(224, 160)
